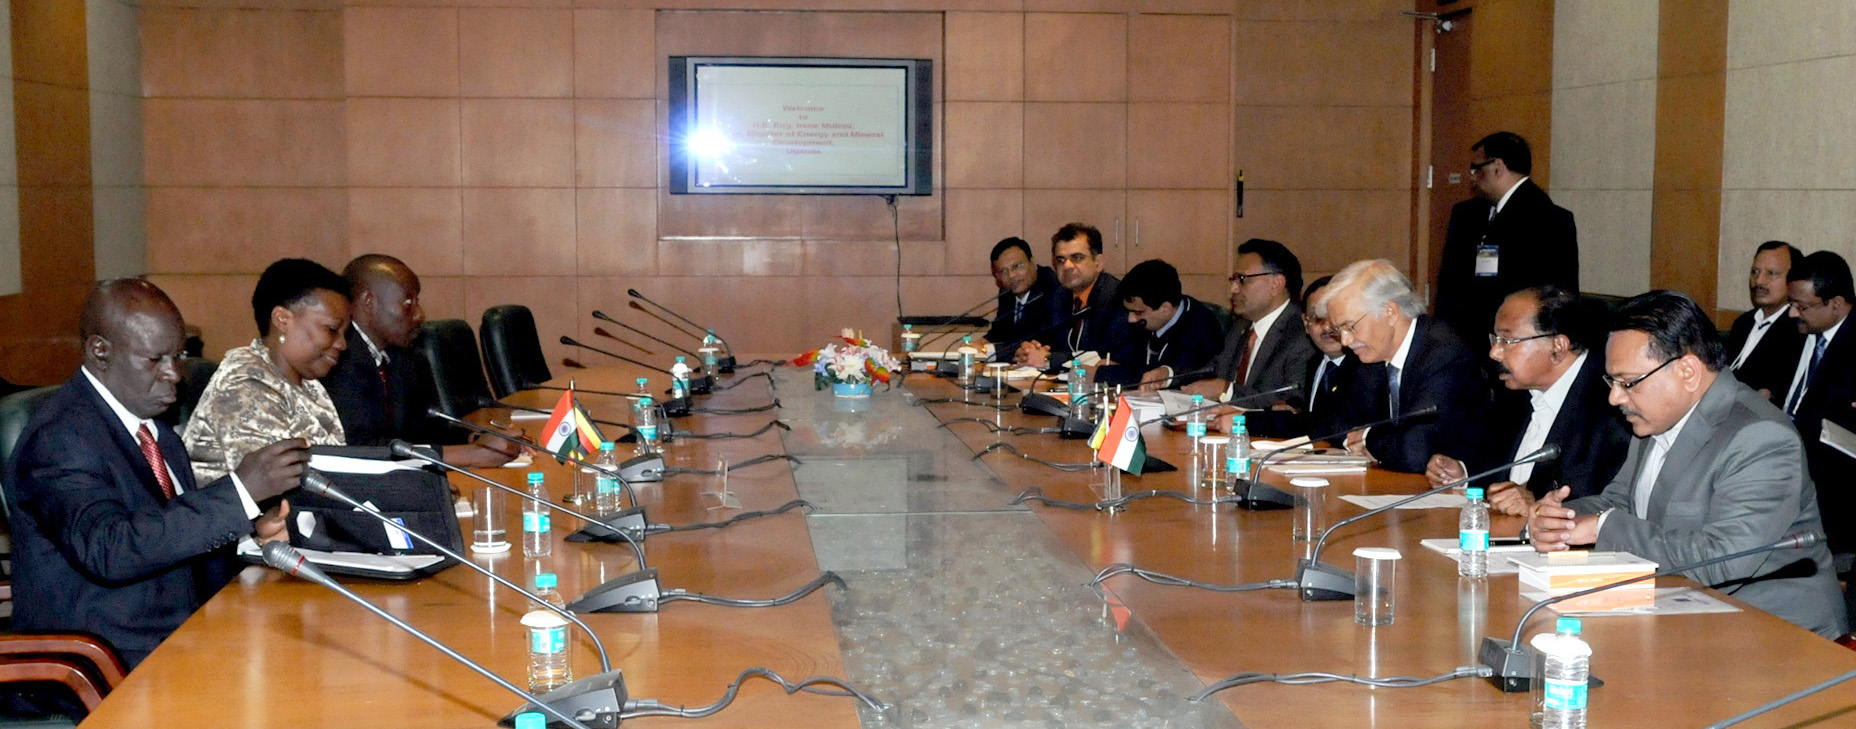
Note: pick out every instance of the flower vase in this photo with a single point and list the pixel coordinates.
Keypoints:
(850, 389)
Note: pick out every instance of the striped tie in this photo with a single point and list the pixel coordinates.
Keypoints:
(160, 466)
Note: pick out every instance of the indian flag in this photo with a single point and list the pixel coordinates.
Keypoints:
(1122, 446)
(570, 431)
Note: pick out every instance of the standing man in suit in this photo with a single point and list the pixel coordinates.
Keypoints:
(111, 535)
(1264, 349)
(1542, 346)
(1823, 384)
(1028, 297)
(380, 388)
(1764, 342)
(1178, 334)
(1089, 316)
(1714, 469)
(1509, 237)
(1421, 362)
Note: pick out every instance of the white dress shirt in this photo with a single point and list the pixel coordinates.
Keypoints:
(1761, 323)
(1799, 386)
(1546, 404)
(135, 424)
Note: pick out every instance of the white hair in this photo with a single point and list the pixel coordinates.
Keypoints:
(1377, 283)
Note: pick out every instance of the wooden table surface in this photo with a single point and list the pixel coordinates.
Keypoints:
(272, 651)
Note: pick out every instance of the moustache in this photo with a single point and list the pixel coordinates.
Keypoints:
(1630, 412)
(1502, 369)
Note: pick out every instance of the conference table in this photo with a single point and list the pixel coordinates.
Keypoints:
(961, 607)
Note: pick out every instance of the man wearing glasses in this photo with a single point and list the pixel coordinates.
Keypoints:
(1509, 237)
(1412, 362)
(1090, 317)
(1028, 297)
(1823, 384)
(1542, 346)
(1263, 350)
(1714, 469)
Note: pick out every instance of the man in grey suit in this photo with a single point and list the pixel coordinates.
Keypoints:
(1265, 348)
(1714, 469)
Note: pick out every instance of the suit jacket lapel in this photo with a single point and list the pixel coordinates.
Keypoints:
(130, 451)
(1684, 456)
(1273, 346)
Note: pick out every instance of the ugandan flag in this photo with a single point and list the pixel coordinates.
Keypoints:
(1122, 446)
(570, 431)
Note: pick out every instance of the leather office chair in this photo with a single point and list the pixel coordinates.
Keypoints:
(195, 372)
(512, 349)
(15, 410)
(450, 351)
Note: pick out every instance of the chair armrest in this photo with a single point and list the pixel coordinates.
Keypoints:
(17, 670)
(109, 668)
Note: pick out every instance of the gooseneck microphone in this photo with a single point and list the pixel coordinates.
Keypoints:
(678, 328)
(284, 558)
(1259, 496)
(705, 381)
(726, 363)
(1317, 580)
(316, 483)
(622, 340)
(597, 314)
(641, 468)
(1514, 667)
(994, 298)
(1763, 708)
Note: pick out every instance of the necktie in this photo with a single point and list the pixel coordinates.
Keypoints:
(1320, 385)
(1810, 371)
(1392, 395)
(1243, 363)
(150, 451)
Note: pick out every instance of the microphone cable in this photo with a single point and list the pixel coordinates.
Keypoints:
(674, 595)
(1009, 448)
(996, 428)
(736, 519)
(755, 461)
(1161, 578)
(1313, 677)
(636, 708)
(744, 378)
(725, 436)
(738, 411)
(1037, 494)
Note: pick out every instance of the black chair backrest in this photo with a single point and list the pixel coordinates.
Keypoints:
(195, 372)
(512, 349)
(15, 410)
(450, 351)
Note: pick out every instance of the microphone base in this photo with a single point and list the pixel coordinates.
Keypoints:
(637, 592)
(643, 469)
(631, 521)
(1075, 429)
(594, 701)
(725, 365)
(1513, 670)
(702, 385)
(945, 368)
(1261, 497)
(677, 408)
(1320, 581)
(1037, 403)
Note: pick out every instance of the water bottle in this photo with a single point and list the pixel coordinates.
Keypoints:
(1195, 423)
(1078, 401)
(1473, 536)
(1237, 454)
(910, 340)
(548, 667)
(606, 488)
(710, 346)
(537, 534)
(646, 418)
(544, 584)
(679, 379)
(1562, 671)
(966, 357)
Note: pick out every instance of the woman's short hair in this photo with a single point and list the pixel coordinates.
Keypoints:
(290, 282)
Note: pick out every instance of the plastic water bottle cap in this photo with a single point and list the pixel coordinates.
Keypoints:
(679, 359)
(546, 581)
(606, 446)
(908, 327)
(644, 402)
(1198, 400)
(1474, 493)
(534, 477)
(531, 720)
(1568, 625)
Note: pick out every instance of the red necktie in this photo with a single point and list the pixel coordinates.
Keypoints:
(153, 453)
(1243, 363)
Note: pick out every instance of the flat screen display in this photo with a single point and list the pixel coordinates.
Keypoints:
(818, 126)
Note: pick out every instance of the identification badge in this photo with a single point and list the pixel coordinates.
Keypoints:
(1488, 260)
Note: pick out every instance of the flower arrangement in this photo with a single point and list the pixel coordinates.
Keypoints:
(849, 361)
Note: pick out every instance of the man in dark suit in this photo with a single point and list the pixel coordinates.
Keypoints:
(380, 388)
(1714, 469)
(1178, 334)
(1509, 237)
(111, 536)
(1422, 363)
(1028, 297)
(1330, 380)
(1823, 384)
(1089, 315)
(1265, 348)
(1542, 347)
(1764, 343)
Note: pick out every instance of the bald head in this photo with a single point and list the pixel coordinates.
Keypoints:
(133, 342)
(386, 299)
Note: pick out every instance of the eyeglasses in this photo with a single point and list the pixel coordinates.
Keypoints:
(1347, 328)
(1313, 321)
(1244, 278)
(1802, 307)
(1638, 380)
(1477, 166)
(1075, 259)
(1497, 340)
